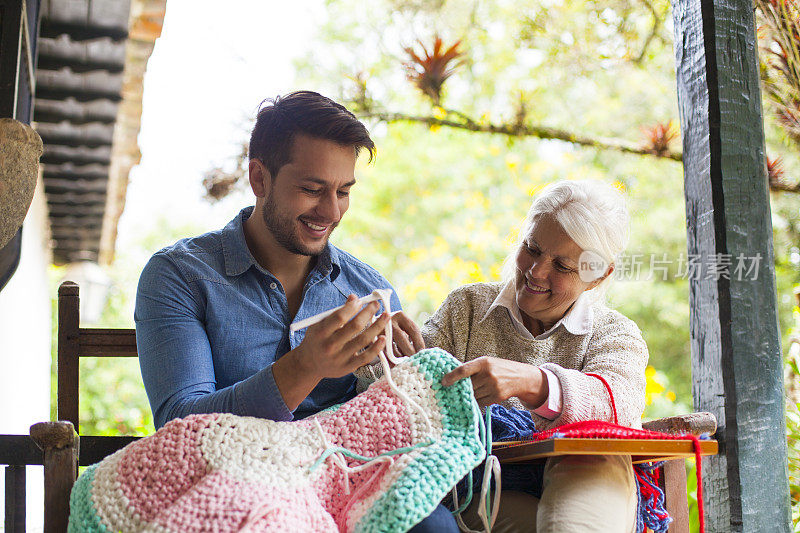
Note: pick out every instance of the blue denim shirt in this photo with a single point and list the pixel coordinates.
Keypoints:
(210, 322)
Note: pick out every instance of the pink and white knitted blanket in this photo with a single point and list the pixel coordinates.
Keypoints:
(380, 462)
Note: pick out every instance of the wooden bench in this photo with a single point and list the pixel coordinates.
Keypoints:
(58, 447)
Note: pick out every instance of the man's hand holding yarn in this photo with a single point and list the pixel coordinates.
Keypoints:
(332, 348)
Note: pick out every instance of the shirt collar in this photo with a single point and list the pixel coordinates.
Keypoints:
(578, 320)
(238, 258)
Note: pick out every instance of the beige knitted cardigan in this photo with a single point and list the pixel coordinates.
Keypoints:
(613, 348)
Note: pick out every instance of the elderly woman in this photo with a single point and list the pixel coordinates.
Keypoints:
(532, 342)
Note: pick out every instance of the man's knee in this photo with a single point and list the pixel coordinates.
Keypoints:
(440, 520)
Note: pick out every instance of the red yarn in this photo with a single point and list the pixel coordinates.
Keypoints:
(610, 394)
(700, 513)
(597, 429)
(648, 488)
(695, 443)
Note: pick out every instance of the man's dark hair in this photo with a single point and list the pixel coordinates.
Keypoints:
(308, 113)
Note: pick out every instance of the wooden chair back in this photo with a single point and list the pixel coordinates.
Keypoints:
(75, 342)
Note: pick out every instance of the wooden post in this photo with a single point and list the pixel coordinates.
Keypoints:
(673, 483)
(68, 334)
(736, 359)
(15, 499)
(61, 446)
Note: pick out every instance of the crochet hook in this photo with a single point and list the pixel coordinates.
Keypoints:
(375, 296)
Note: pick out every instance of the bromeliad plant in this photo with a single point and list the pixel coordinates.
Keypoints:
(660, 136)
(780, 55)
(430, 69)
(779, 33)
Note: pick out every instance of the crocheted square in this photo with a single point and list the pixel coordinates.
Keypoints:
(378, 463)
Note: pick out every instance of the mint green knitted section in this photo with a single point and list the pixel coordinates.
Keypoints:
(82, 515)
(423, 484)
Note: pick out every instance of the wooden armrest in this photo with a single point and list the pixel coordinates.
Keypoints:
(53, 435)
(694, 423)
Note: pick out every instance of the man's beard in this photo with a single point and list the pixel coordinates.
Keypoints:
(282, 228)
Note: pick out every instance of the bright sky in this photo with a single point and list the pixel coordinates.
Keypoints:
(210, 69)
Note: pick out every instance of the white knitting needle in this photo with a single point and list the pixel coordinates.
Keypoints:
(310, 321)
(384, 296)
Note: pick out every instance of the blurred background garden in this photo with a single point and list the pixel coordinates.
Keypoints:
(515, 95)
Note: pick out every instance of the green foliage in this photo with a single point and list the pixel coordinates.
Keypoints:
(660, 398)
(573, 63)
(113, 401)
(793, 442)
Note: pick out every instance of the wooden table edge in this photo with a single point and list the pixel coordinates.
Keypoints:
(640, 450)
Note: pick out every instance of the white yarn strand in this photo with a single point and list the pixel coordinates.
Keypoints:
(339, 460)
(385, 356)
(492, 466)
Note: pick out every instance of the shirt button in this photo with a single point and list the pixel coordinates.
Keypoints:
(273, 285)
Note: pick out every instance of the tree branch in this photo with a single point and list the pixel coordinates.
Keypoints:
(653, 31)
(543, 132)
(521, 130)
(219, 183)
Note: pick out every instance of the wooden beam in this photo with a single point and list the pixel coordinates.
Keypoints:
(87, 221)
(102, 53)
(85, 19)
(77, 199)
(71, 176)
(79, 155)
(96, 448)
(92, 134)
(65, 257)
(64, 210)
(75, 244)
(736, 359)
(62, 185)
(15, 499)
(62, 233)
(103, 111)
(97, 342)
(64, 82)
(19, 450)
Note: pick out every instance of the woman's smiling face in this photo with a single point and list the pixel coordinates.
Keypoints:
(547, 279)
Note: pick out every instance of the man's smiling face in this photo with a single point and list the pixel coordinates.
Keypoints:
(310, 194)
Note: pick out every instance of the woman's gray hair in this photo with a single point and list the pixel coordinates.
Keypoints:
(593, 213)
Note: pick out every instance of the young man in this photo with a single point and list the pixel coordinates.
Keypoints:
(213, 312)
